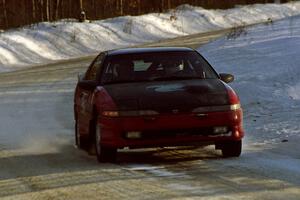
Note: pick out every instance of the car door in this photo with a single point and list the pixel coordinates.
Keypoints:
(84, 95)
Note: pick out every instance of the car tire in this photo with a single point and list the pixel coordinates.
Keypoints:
(104, 154)
(231, 148)
(79, 142)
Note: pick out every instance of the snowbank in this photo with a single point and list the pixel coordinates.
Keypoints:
(44, 42)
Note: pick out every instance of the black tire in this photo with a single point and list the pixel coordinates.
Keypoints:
(80, 142)
(104, 154)
(231, 148)
(77, 136)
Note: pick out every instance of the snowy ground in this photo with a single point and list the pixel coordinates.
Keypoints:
(38, 160)
(266, 62)
(45, 42)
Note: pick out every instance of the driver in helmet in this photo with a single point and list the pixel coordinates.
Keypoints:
(172, 67)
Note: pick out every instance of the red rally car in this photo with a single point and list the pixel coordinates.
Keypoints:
(155, 97)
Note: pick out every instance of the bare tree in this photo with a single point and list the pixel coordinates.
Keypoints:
(5, 13)
(95, 7)
(42, 9)
(33, 10)
(20, 12)
(57, 9)
(70, 8)
(80, 5)
(47, 10)
(169, 4)
(139, 6)
(121, 7)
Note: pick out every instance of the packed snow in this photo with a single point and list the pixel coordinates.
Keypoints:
(265, 60)
(46, 42)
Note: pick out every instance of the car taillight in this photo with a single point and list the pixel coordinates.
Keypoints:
(107, 107)
(105, 104)
(235, 106)
(110, 113)
(234, 100)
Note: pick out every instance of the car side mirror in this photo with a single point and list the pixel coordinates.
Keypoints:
(227, 78)
(87, 84)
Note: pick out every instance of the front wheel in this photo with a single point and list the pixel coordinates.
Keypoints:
(104, 154)
(231, 148)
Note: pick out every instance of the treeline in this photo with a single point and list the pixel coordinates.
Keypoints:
(15, 13)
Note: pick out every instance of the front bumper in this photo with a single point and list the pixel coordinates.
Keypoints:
(171, 129)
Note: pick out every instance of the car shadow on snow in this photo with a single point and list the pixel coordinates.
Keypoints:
(168, 155)
(23, 171)
(71, 167)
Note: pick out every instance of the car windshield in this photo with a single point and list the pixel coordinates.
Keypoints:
(156, 66)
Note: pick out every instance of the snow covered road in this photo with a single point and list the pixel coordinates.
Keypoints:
(38, 160)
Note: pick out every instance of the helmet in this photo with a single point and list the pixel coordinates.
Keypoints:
(172, 66)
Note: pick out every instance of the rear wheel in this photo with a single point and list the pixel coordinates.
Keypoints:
(80, 142)
(231, 148)
(104, 154)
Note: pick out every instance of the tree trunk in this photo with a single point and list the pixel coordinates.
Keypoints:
(95, 8)
(5, 13)
(42, 9)
(47, 11)
(121, 7)
(70, 8)
(57, 9)
(139, 6)
(80, 5)
(33, 10)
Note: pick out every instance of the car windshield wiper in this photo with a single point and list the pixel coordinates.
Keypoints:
(175, 78)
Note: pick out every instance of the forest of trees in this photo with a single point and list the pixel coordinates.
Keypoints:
(15, 13)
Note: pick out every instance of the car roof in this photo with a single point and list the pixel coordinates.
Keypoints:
(148, 50)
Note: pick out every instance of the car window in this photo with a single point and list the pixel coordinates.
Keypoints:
(141, 65)
(94, 68)
(156, 66)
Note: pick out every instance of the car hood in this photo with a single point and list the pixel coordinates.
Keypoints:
(167, 96)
